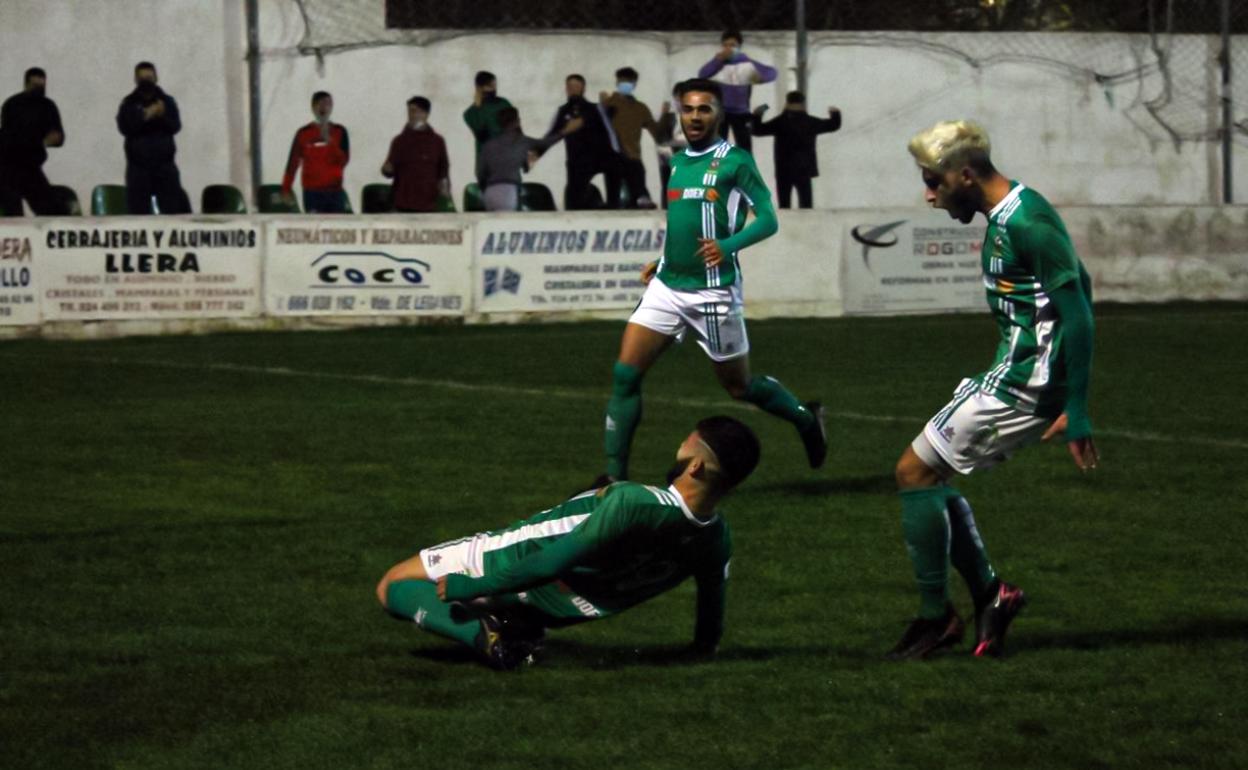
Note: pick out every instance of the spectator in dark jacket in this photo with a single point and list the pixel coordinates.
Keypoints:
(796, 160)
(29, 124)
(149, 118)
(324, 149)
(418, 162)
(591, 150)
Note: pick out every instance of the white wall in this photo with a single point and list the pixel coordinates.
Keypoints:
(1077, 142)
(89, 49)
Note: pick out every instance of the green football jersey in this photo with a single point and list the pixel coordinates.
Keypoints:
(604, 551)
(707, 197)
(1027, 253)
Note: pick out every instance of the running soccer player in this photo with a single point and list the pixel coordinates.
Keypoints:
(594, 555)
(1037, 388)
(699, 282)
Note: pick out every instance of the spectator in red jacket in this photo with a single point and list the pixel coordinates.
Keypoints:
(418, 162)
(324, 150)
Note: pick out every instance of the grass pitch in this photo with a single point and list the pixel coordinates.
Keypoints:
(191, 528)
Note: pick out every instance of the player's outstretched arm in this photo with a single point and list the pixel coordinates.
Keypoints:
(709, 628)
(1077, 330)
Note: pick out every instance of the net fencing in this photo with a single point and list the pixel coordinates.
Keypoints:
(1172, 51)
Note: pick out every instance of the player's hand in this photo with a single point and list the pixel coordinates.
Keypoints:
(478, 97)
(759, 110)
(647, 272)
(442, 588)
(1083, 450)
(387, 169)
(54, 139)
(710, 252)
(833, 112)
(573, 125)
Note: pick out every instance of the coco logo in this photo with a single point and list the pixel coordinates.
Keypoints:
(368, 269)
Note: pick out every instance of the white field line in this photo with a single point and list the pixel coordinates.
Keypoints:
(596, 395)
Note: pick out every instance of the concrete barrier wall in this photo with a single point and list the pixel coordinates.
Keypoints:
(101, 277)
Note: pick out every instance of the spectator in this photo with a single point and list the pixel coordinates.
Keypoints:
(669, 140)
(592, 150)
(796, 160)
(505, 157)
(482, 117)
(148, 118)
(736, 73)
(418, 162)
(324, 149)
(29, 124)
(628, 118)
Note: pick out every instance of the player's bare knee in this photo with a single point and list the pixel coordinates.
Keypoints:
(911, 472)
(382, 586)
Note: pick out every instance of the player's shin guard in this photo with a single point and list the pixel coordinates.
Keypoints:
(925, 526)
(417, 600)
(623, 416)
(773, 398)
(966, 548)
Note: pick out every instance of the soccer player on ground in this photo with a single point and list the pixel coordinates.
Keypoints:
(594, 555)
(1037, 388)
(699, 282)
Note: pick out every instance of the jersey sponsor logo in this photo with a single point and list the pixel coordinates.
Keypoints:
(693, 194)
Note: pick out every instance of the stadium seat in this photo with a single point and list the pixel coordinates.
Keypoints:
(473, 199)
(593, 198)
(66, 200)
(108, 200)
(377, 199)
(444, 204)
(269, 200)
(535, 196)
(222, 199)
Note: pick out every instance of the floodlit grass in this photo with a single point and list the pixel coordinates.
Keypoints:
(191, 528)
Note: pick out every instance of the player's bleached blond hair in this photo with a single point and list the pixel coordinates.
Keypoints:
(951, 144)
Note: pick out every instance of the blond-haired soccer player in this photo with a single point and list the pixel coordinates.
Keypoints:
(1037, 387)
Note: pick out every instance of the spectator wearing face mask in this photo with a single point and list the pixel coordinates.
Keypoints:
(149, 118)
(324, 149)
(29, 124)
(628, 117)
(590, 151)
(482, 115)
(736, 73)
(418, 162)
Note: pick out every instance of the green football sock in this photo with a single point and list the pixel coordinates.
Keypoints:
(925, 526)
(623, 416)
(773, 398)
(966, 548)
(417, 600)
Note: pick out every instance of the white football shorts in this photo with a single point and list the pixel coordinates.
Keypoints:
(715, 316)
(464, 556)
(976, 431)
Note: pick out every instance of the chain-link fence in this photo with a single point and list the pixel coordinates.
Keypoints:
(1173, 48)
